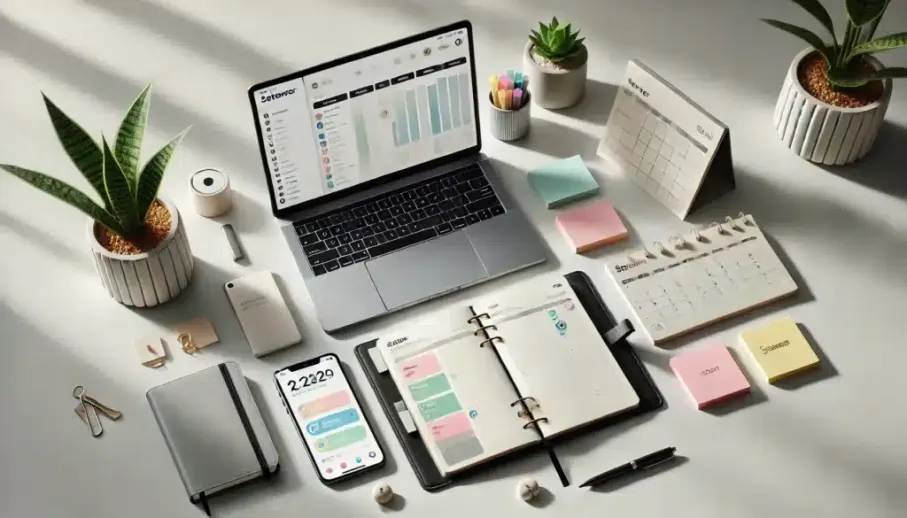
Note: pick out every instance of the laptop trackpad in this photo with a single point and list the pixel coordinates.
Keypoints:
(427, 269)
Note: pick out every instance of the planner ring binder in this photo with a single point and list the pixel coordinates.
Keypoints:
(477, 318)
(534, 422)
(491, 341)
(522, 400)
(483, 329)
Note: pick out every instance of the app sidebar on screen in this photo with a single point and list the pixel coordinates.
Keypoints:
(332, 424)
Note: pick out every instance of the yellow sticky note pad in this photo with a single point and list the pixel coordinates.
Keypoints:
(780, 349)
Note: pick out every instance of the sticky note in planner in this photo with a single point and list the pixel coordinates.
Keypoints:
(780, 349)
(428, 387)
(455, 438)
(439, 407)
(420, 367)
(562, 181)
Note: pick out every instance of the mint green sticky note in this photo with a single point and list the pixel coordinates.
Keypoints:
(562, 181)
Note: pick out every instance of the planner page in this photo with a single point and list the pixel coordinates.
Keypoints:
(457, 392)
(555, 355)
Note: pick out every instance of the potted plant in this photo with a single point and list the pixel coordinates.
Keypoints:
(138, 240)
(835, 95)
(555, 60)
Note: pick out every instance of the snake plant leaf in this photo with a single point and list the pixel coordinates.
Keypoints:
(844, 78)
(119, 193)
(818, 11)
(128, 145)
(892, 41)
(885, 73)
(805, 35)
(153, 173)
(81, 148)
(862, 12)
(66, 193)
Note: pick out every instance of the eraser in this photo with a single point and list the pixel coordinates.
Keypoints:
(591, 227)
(780, 349)
(710, 375)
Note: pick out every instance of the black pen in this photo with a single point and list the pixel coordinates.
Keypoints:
(644, 462)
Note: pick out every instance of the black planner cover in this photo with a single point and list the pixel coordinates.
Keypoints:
(428, 474)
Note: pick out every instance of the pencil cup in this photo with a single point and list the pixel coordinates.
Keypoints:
(509, 124)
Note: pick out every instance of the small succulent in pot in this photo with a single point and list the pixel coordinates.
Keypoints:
(555, 58)
(555, 43)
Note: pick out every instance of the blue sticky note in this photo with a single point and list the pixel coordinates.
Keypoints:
(563, 181)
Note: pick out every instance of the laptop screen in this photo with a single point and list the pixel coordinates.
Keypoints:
(341, 125)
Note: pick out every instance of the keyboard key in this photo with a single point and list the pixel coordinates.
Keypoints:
(311, 227)
(323, 257)
(360, 256)
(422, 191)
(472, 172)
(379, 227)
(331, 266)
(449, 181)
(358, 246)
(346, 215)
(434, 186)
(478, 183)
(368, 231)
(408, 195)
(446, 205)
(458, 223)
(360, 223)
(422, 203)
(391, 223)
(349, 226)
(463, 188)
(360, 211)
(431, 210)
(380, 238)
(318, 247)
(345, 250)
(336, 230)
(370, 241)
(346, 261)
(336, 219)
(484, 214)
(391, 235)
(371, 219)
(345, 239)
(318, 270)
(484, 203)
(403, 231)
(412, 239)
(396, 211)
(418, 214)
(444, 217)
(409, 206)
(333, 242)
(372, 207)
(430, 222)
(480, 193)
(460, 212)
(435, 198)
(459, 201)
(396, 199)
(324, 223)
(384, 214)
(384, 204)
(415, 226)
(323, 234)
(472, 219)
(405, 219)
(450, 192)
(497, 210)
(356, 234)
(308, 239)
(444, 228)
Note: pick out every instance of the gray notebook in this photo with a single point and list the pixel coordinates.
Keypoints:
(214, 430)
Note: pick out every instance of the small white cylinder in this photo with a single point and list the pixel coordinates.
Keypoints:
(210, 191)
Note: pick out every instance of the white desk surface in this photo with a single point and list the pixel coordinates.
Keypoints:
(829, 445)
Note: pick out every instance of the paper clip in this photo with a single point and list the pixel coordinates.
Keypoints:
(185, 340)
(90, 408)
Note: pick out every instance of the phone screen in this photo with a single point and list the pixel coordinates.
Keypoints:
(320, 399)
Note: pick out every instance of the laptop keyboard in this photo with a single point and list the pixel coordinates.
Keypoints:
(389, 222)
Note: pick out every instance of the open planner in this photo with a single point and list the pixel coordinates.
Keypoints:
(513, 369)
(690, 281)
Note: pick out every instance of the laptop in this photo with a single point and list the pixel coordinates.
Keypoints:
(375, 160)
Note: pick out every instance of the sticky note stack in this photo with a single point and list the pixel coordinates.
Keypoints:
(588, 228)
(710, 375)
(563, 181)
(780, 349)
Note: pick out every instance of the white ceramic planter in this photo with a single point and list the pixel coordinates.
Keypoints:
(149, 279)
(555, 89)
(823, 133)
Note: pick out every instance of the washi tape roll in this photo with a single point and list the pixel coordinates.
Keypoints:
(211, 194)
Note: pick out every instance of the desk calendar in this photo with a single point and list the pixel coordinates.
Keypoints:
(666, 143)
(694, 280)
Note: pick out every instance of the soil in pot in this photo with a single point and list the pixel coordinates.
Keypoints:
(156, 229)
(812, 76)
(572, 62)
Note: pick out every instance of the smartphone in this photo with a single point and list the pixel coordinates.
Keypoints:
(337, 436)
(263, 313)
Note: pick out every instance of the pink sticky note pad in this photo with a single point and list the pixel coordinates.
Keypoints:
(590, 227)
(710, 375)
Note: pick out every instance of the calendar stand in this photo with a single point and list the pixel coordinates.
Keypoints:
(669, 145)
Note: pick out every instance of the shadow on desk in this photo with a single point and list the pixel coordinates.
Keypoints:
(883, 168)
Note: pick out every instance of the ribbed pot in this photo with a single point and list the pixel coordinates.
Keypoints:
(821, 132)
(151, 278)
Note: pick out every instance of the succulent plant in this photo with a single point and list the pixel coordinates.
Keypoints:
(845, 59)
(127, 192)
(555, 42)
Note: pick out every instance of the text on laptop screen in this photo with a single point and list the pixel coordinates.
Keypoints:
(367, 118)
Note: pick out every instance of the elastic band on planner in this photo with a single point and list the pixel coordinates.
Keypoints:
(478, 318)
(247, 425)
(203, 499)
(483, 328)
(620, 331)
(491, 340)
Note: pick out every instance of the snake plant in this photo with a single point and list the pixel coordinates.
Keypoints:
(555, 42)
(127, 191)
(845, 59)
